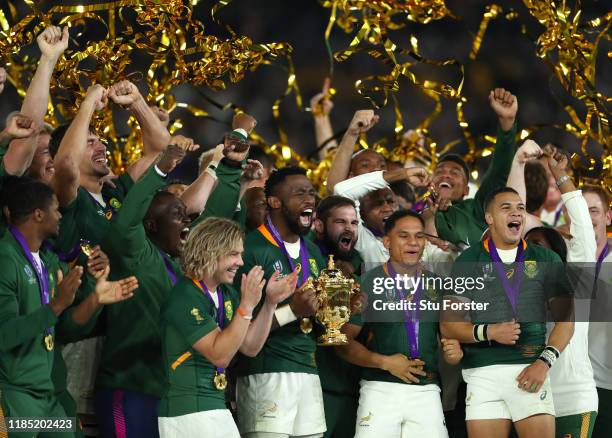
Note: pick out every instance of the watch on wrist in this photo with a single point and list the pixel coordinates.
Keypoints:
(562, 180)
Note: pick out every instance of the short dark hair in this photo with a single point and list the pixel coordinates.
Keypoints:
(536, 182)
(278, 176)
(554, 239)
(400, 214)
(599, 191)
(404, 190)
(326, 205)
(22, 195)
(58, 135)
(459, 160)
(491, 196)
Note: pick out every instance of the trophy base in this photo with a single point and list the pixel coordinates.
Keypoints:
(331, 339)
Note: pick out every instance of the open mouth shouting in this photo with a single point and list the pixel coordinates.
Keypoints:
(444, 185)
(306, 217)
(345, 243)
(183, 235)
(514, 226)
(99, 159)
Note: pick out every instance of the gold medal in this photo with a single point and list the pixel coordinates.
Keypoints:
(49, 342)
(220, 380)
(306, 325)
(86, 247)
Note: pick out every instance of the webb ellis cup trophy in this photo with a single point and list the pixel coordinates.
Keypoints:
(334, 292)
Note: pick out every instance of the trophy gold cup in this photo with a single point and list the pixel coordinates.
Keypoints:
(334, 292)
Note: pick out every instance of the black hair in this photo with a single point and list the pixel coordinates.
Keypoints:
(256, 152)
(536, 182)
(404, 190)
(22, 195)
(459, 160)
(177, 181)
(326, 205)
(554, 239)
(498, 191)
(58, 135)
(278, 176)
(400, 214)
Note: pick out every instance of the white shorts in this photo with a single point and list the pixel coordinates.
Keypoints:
(399, 410)
(218, 420)
(285, 403)
(493, 392)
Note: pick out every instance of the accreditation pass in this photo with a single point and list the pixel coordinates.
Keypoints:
(39, 424)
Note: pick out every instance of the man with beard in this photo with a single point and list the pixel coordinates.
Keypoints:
(460, 221)
(35, 291)
(278, 392)
(205, 323)
(335, 232)
(144, 238)
(507, 356)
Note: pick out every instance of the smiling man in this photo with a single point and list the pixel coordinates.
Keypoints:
(278, 391)
(507, 356)
(462, 221)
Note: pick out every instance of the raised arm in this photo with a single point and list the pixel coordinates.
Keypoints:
(52, 42)
(155, 136)
(362, 121)
(505, 106)
(73, 145)
(321, 105)
(20, 134)
(196, 195)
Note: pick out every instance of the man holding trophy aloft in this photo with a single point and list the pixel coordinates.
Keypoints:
(400, 392)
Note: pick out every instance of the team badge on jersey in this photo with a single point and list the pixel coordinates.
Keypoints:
(196, 314)
(363, 421)
(115, 204)
(531, 268)
(229, 311)
(278, 266)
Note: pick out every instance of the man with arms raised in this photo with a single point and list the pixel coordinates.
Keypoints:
(507, 355)
(278, 392)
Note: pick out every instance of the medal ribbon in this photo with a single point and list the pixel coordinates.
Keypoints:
(41, 271)
(411, 317)
(512, 290)
(220, 312)
(305, 268)
(169, 269)
(600, 259)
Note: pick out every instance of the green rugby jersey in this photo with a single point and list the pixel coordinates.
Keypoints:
(390, 338)
(188, 316)
(543, 278)
(85, 218)
(131, 356)
(287, 349)
(25, 363)
(464, 221)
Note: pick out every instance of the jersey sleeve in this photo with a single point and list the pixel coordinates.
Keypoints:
(190, 318)
(224, 199)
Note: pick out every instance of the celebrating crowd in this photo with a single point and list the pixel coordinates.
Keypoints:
(144, 307)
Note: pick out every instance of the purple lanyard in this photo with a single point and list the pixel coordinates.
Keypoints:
(220, 312)
(600, 259)
(558, 215)
(411, 317)
(41, 271)
(512, 290)
(305, 269)
(169, 269)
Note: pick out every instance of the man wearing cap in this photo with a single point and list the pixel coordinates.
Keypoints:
(461, 221)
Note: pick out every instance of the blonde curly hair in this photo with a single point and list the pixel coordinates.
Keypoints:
(207, 243)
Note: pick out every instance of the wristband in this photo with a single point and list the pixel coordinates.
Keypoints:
(562, 180)
(241, 134)
(159, 172)
(549, 355)
(244, 314)
(554, 350)
(548, 364)
(479, 332)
